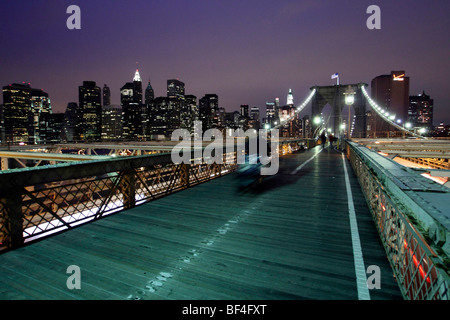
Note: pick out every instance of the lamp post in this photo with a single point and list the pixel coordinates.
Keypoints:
(349, 96)
(317, 122)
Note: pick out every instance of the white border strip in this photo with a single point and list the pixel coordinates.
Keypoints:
(361, 280)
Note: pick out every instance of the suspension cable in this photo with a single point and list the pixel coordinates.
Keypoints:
(297, 110)
(385, 114)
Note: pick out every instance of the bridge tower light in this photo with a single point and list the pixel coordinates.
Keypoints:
(349, 97)
(408, 125)
(317, 120)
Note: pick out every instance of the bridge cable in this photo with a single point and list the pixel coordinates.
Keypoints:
(297, 111)
(385, 114)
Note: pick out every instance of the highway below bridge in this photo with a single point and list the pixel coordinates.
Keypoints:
(305, 233)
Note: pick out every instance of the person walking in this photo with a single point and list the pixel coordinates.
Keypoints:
(323, 139)
(331, 139)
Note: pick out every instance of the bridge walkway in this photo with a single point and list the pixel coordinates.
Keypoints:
(288, 238)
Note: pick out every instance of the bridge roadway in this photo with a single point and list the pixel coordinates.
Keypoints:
(287, 239)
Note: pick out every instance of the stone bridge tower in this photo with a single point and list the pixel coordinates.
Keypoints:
(334, 96)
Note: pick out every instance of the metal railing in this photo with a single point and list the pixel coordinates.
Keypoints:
(37, 202)
(419, 270)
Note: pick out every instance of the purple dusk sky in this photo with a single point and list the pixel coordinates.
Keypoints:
(246, 51)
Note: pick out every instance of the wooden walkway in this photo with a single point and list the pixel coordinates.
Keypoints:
(288, 239)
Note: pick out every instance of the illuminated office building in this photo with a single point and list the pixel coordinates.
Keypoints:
(391, 92)
(420, 111)
(175, 88)
(244, 110)
(72, 123)
(164, 117)
(189, 112)
(106, 95)
(149, 93)
(90, 111)
(290, 98)
(22, 107)
(254, 118)
(111, 123)
(209, 111)
(133, 112)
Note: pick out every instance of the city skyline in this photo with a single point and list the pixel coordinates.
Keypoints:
(246, 53)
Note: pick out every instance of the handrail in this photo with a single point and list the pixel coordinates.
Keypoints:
(39, 201)
(420, 264)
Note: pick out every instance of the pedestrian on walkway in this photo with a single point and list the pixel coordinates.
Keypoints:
(323, 139)
(331, 139)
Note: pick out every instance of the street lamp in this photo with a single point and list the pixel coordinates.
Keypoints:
(317, 120)
(349, 96)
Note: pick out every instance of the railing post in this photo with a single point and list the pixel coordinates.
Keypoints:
(4, 163)
(13, 218)
(128, 188)
(184, 175)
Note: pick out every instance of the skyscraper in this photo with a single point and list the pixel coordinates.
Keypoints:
(306, 127)
(254, 113)
(147, 108)
(254, 118)
(270, 113)
(292, 127)
(40, 107)
(290, 98)
(137, 81)
(50, 131)
(22, 106)
(209, 111)
(392, 93)
(420, 111)
(175, 88)
(244, 110)
(2, 126)
(106, 96)
(111, 123)
(133, 112)
(134, 120)
(72, 122)
(189, 112)
(164, 117)
(90, 108)
(149, 93)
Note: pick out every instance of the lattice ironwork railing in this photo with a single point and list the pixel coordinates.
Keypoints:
(431, 162)
(42, 201)
(4, 230)
(416, 265)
